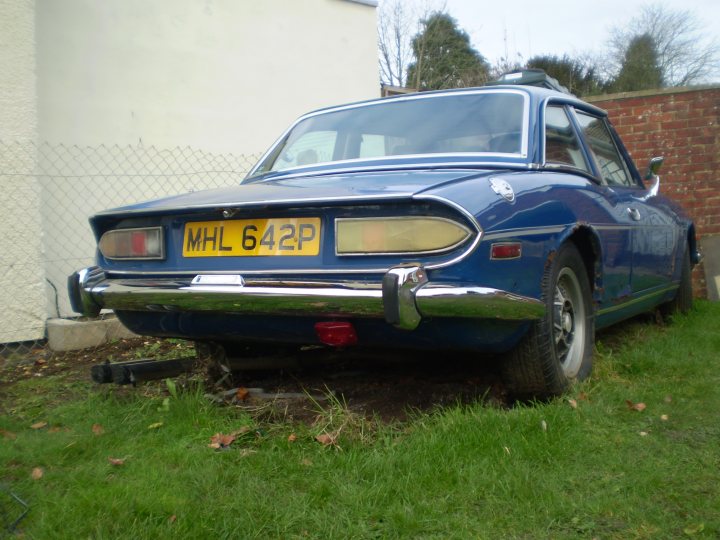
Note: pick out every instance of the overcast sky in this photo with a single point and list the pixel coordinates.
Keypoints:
(534, 27)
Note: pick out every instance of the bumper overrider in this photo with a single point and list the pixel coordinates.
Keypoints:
(403, 298)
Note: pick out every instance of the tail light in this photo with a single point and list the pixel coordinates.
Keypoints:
(145, 243)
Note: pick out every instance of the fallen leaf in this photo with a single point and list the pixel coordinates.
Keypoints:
(640, 407)
(38, 425)
(9, 435)
(326, 439)
(221, 440)
(54, 429)
(117, 462)
(97, 429)
(40, 362)
(572, 403)
(242, 394)
(694, 529)
(172, 519)
(292, 437)
(37, 473)
(664, 417)
(643, 433)
(668, 399)
(582, 396)
(155, 425)
(543, 425)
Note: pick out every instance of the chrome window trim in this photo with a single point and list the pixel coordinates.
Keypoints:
(411, 97)
(396, 157)
(388, 253)
(160, 257)
(468, 165)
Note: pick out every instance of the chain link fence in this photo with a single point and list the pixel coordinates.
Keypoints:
(50, 190)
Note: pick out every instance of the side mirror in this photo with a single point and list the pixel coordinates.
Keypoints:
(654, 167)
(652, 174)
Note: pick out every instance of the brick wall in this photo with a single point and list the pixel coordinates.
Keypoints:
(682, 124)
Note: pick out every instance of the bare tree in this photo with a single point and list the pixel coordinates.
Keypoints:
(398, 22)
(395, 30)
(685, 54)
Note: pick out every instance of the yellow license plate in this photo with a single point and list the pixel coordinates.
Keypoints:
(252, 237)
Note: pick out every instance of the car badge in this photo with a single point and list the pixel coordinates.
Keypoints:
(502, 188)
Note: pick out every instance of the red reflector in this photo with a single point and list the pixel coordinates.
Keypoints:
(138, 243)
(506, 251)
(337, 334)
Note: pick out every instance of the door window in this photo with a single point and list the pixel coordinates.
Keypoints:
(561, 143)
(613, 168)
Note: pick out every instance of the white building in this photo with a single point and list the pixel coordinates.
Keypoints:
(219, 76)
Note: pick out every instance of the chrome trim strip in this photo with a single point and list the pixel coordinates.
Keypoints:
(638, 300)
(269, 272)
(529, 231)
(615, 227)
(468, 232)
(403, 298)
(410, 97)
(625, 227)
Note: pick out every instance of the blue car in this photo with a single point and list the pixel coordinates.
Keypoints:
(506, 219)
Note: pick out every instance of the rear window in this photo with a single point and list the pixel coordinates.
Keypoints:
(486, 122)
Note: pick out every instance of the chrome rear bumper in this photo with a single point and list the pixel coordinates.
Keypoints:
(403, 298)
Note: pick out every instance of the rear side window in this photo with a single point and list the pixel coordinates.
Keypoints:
(613, 168)
(561, 143)
(308, 149)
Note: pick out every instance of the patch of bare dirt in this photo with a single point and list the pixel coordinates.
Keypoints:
(382, 385)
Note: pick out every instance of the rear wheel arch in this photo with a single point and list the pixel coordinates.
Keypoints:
(587, 242)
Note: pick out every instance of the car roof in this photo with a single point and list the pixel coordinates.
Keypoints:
(536, 93)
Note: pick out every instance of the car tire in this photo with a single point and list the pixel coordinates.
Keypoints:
(557, 350)
(683, 300)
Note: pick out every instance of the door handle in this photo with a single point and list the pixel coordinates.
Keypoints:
(634, 213)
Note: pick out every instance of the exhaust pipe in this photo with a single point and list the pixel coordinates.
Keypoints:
(136, 371)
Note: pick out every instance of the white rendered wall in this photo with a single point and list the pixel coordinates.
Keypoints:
(220, 75)
(22, 277)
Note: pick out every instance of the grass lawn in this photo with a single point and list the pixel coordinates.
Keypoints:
(634, 452)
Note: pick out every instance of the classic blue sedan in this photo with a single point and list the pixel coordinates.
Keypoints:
(506, 218)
